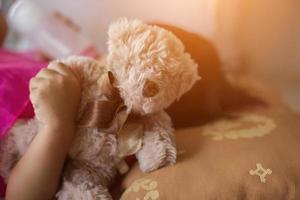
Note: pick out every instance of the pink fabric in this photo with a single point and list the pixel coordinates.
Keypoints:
(15, 72)
(2, 188)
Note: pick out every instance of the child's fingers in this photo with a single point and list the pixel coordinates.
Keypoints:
(65, 70)
(33, 98)
(47, 73)
(35, 82)
(33, 85)
(60, 68)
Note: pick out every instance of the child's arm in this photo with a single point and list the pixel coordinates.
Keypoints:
(55, 93)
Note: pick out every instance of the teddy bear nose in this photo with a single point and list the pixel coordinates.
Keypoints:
(150, 88)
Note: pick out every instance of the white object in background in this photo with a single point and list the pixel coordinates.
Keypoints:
(49, 31)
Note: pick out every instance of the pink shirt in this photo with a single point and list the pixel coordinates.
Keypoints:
(16, 70)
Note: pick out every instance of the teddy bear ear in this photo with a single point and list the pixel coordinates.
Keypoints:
(189, 76)
(150, 89)
(120, 28)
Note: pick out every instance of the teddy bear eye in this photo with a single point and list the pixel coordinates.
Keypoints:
(150, 89)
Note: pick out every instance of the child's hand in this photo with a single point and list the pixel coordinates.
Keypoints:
(55, 94)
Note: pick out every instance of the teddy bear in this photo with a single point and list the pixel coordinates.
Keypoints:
(121, 111)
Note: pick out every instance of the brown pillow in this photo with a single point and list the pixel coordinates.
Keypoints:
(250, 152)
(203, 101)
(238, 142)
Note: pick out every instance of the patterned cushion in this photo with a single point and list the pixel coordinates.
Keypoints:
(244, 143)
(249, 153)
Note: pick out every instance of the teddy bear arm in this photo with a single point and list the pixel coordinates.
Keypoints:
(82, 180)
(159, 148)
(9, 155)
(15, 143)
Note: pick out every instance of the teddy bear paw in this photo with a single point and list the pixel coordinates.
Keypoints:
(82, 191)
(152, 157)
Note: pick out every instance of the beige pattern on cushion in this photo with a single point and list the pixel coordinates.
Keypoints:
(240, 125)
(261, 172)
(146, 188)
(264, 167)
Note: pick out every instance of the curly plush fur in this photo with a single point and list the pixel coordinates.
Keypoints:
(151, 71)
(139, 52)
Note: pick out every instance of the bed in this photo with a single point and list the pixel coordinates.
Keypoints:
(236, 139)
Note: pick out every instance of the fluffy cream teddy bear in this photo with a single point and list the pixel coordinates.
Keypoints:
(121, 110)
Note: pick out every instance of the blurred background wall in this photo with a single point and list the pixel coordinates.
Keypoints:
(94, 16)
(262, 38)
(271, 42)
(258, 37)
